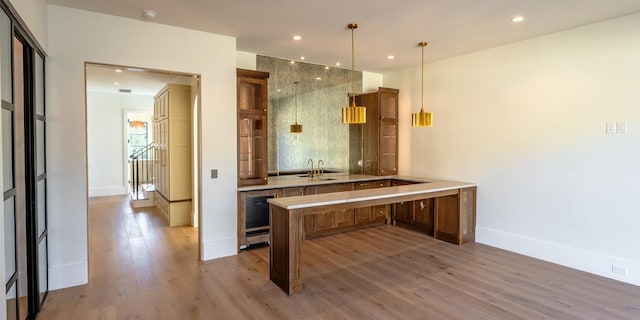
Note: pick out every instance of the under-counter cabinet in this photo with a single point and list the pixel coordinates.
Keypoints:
(172, 137)
(375, 214)
(253, 211)
(323, 223)
(417, 214)
(252, 102)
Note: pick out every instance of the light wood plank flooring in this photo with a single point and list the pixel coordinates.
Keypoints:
(141, 269)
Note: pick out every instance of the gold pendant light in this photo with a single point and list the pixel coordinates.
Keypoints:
(422, 119)
(353, 114)
(296, 128)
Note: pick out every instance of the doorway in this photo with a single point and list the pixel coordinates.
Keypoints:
(139, 147)
(120, 106)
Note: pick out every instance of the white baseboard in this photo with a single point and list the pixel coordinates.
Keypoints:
(107, 191)
(219, 248)
(68, 275)
(576, 258)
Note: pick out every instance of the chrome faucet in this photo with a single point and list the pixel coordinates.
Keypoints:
(310, 172)
(319, 170)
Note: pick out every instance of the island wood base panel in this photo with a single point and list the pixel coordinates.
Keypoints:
(454, 222)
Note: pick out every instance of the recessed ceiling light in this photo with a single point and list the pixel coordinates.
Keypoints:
(391, 57)
(118, 70)
(517, 19)
(338, 64)
(149, 14)
(116, 83)
(318, 78)
(302, 58)
(297, 38)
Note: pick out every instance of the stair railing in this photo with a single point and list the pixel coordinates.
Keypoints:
(142, 176)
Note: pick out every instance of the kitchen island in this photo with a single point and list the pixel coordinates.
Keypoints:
(453, 208)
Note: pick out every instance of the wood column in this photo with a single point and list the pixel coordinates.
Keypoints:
(285, 249)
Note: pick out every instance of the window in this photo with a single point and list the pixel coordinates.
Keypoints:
(138, 137)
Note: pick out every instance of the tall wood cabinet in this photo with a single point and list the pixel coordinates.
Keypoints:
(172, 137)
(378, 136)
(252, 103)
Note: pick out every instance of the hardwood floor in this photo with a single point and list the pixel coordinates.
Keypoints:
(142, 269)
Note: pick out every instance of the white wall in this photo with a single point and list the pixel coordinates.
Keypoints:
(371, 81)
(34, 14)
(526, 121)
(106, 128)
(246, 60)
(73, 41)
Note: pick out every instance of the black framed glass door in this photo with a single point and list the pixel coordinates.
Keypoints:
(24, 170)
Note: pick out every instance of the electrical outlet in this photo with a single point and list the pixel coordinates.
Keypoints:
(619, 270)
(214, 173)
(621, 127)
(611, 127)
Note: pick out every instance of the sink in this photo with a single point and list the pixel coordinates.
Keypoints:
(316, 178)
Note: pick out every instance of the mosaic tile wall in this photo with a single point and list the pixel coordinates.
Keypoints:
(320, 101)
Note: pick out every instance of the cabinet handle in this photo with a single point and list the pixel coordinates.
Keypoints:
(265, 109)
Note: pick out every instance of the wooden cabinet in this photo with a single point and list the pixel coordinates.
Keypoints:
(324, 223)
(328, 222)
(172, 137)
(449, 218)
(455, 217)
(403, 212)
(379, 135)
(318, 224)
(292, 192)
(252, 102)
(418, 214)
(371, 214)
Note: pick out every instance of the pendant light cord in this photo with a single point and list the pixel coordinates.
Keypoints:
(422, 45)
(353, 67)
(296, 100)
(422, 83)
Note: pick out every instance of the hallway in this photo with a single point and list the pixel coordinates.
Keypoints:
(141, 269)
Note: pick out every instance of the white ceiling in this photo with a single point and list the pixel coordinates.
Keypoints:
(451, 27)
(104, 78)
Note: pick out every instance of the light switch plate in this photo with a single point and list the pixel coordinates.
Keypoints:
(611, 128)
(621, 127)
(214, 173)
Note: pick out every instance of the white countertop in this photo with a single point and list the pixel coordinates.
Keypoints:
(327, 178)
(423, 186)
